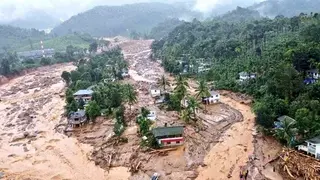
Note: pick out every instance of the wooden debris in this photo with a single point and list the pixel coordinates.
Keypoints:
(298, 165)
(163, 150)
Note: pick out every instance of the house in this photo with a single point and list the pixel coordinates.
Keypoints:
(280, 121)
(77, 118)
(36, 54)
(160, 100)
(313, 73)
(213, 98)
(85, 94)
(152, 116)
(243, 76)
(155, 92)
(168, 136)
(311, 146)
(309, 80)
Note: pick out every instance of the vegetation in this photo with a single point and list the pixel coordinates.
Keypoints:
(120, 20)
(164, 28)
(279, 51)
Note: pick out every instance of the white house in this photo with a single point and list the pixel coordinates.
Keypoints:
(311, 146)
(155, 92)
(243, 76)
(313, 73)
(152, 116)
(213, 98)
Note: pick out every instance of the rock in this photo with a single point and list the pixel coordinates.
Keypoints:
(18, 138)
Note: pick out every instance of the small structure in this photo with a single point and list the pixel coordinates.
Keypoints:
(309, 80)
(169, 136)
(160, 100)
(77, 118)
(313, 73)
(152, 116)
(311, 146)
(280, 121)
(213, 98)
(35, 54)
(155, 92)
(85, 94)
(243, 76)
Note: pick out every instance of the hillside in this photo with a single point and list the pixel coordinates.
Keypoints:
(60, 43)
(286, 8)
(120, 20)
(164, 28)
(18, 39)
(11, 37)
(278, 53)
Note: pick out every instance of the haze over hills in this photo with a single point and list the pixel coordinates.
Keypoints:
(272, 8)
(121, 20)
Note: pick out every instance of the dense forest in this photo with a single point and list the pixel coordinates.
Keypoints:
(121, 20)
(164, 28)
(278, 52)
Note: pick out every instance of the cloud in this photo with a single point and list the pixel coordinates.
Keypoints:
(207, 6)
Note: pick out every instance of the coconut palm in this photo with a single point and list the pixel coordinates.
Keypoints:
(163, 82)
(193, 104)
(202, 90)
(131, 95)
(181, 87)
(287, 132)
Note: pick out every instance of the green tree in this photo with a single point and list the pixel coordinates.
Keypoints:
(66, 76)
(72, 106)
(45, 61)
(287, 133)
(93, 110)
(202, 90)
(131, 95)
(81, 103)
(181, 87)
(93, 47)
(163, 82)
(193, 104)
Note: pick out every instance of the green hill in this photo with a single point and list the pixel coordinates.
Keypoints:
(120, 20)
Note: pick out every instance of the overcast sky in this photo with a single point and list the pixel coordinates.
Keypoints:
(63, 9)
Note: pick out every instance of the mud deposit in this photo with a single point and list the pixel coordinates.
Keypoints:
(30, 148)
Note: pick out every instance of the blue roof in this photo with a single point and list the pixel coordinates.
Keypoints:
(83, 92)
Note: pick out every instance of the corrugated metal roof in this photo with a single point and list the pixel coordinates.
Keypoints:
(213, 93)
(167, 131)
(315, 140)
(287, 118)
(83, 92)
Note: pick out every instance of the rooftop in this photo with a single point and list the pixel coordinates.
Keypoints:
(167, 131)
(282, 118)
(213, 93)
(315, 140)
(78, 114)
(313, 70)
(83, 92)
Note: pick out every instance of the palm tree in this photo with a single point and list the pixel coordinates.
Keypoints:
(203, 90)
(287, 132)
(163, 82)
(193, 104)
(185, 115)
(131, 95)
(181, 87)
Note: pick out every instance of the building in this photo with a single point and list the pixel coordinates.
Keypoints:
(169, 136)
(309, 80)
(152, 116)
(35, 54)
(311, 146)
(213, 98)
(155, 91)
(280, 121)
(313, 73)
(77, 118)
(243, 76)
(84, 94)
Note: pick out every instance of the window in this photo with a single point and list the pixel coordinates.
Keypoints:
(216, 95)
(168, 142)
(177, 142)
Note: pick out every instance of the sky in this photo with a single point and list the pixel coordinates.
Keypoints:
(64, 9)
